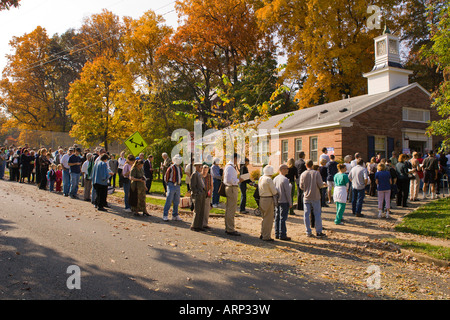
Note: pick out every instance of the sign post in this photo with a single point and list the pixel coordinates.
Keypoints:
(136, 144)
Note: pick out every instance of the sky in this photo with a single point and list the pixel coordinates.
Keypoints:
(57, 16)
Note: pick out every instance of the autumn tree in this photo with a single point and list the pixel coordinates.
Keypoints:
(102, 103)
(36, 79)
(328, 45)
(6, 4)
(142, 39)
(439, 54)
(101, 35)
(416, 19)
(215, 38)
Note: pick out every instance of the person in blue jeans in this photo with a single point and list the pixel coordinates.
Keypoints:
(283, 187)
(66, 171)
(75, 163)
(359, 178)
(173, 178)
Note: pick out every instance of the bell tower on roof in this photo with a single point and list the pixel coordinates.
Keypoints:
(388, 73)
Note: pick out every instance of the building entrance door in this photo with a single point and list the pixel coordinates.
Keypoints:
(418, 146)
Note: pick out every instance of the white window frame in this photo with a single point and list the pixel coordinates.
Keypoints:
(284, 151)
(297, 149)
(425, 115)
(311, 150)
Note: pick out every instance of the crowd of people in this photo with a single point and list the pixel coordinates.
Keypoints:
(400, 177)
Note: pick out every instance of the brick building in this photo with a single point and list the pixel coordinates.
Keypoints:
(393, 115)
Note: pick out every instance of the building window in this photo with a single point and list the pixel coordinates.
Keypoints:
(298, 147)
(284, 151)
(381, 47)
(416, 115)
(313, 148)
(380, 146)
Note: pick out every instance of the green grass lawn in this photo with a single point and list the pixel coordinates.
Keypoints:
(158, 189)
(437, 252)
(432, 220)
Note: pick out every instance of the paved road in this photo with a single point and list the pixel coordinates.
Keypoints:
(121, 256)
(125, 257)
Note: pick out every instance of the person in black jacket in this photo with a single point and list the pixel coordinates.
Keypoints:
(148, 172)
(402, 181)
(301, 167)
(243, 186)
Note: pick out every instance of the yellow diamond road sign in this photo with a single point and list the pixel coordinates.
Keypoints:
(136, 144)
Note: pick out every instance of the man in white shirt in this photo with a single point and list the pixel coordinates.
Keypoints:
(231, 181)
(66, 171)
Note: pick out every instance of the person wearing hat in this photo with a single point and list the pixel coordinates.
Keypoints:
(267, 193)
(231, 182)
(198, 196)
(283, 187)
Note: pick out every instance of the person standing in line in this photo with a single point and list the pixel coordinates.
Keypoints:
(324, 155)
(207, 179)
(283, 187)
(164, 166)
(114, 167)
(359, 178)
(121, 162)
(44, 164)
(372, 169)
(100, 180)
(217, 180)
(331, 172)
(394, 158)
(231, 182)
(126, 182)
(430, 166)
(58, 178)
(2, 163)
(402, 181)
(86, 171)
(138, 189)
(66, 171)
(341, 183)
(267, 203)
(311, 183)
(75, 163)
(415, 182)
(173, 178)
(292, 175)
(243, 186)
(148, 170)
(198, 195)
(301, 167)
(51, 177)
(323, 170)
(383, 180)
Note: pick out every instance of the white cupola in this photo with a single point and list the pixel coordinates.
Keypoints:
(388, 73)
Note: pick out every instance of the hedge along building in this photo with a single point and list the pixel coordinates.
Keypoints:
(393, 116)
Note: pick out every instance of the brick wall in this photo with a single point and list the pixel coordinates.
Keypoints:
(385, 119)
